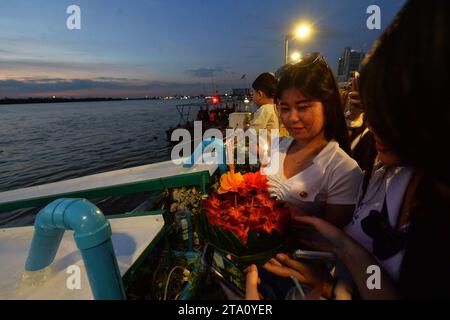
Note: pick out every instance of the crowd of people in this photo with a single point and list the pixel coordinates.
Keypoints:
(215, 114)
(363, 173)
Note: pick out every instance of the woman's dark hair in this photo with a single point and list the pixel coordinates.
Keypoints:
(314, 79)
(405, 86)
(267, 83)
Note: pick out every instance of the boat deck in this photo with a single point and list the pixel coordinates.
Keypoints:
(131, 236)
(156, 176)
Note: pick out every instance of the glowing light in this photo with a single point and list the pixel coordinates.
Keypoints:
(296, 56)
(303, 31)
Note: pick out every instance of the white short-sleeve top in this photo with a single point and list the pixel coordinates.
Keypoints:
(385, 185)
(333, 178)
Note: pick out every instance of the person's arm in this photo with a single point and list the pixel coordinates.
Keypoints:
(315, 275)
(282, 266)
(357, 260)
(338, 215)
(342, 194)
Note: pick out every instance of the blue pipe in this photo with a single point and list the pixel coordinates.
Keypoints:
(190, 256)
(92, 234)
(187, 216)
(186, 294)
(198, 152)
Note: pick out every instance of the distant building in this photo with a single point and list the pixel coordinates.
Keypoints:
(349, 61)
(241, 92)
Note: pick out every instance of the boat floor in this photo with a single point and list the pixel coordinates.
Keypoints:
(131, 236)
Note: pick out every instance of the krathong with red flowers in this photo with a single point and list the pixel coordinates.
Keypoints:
(242, 219)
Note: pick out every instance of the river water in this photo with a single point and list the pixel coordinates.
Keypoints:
(43, 143)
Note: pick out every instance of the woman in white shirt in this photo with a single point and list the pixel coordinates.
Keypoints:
(315, 173)
(403, 252)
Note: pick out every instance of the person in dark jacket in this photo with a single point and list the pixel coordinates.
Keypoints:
(362, 142)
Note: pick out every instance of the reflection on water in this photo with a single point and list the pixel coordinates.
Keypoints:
(43, 143)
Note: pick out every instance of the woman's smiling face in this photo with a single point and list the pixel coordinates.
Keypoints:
(303, 117)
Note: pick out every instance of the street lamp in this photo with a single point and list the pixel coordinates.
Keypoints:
(303, 32)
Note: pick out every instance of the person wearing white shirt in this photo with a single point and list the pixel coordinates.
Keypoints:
(409, 240)
(383, 200)
(316, 175)
(330, 180)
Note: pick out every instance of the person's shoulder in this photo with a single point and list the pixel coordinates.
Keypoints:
(342, 175)
(336, 157)
(339, 163)
(268, 108)
(342, 159)
(258, 112)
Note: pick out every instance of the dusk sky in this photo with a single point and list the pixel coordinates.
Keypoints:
(162, 47)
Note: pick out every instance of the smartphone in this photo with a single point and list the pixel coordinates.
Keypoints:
(223, 268)
(315, 255)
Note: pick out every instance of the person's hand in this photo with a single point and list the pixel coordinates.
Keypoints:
(251, 284)
(354, 99)
(315, 275)
(295, 211)
(321, 235)
(295, 229)
(353, 107)
(353, 96)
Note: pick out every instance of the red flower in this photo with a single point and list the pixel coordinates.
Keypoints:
(253, 183)
(251, 209)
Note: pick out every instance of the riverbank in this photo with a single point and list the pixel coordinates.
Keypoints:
(8, 101)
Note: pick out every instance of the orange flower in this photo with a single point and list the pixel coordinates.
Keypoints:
(254, 183)
(243, 204)
(230, 182)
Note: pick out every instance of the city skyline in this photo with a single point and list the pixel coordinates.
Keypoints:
(156, 48)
